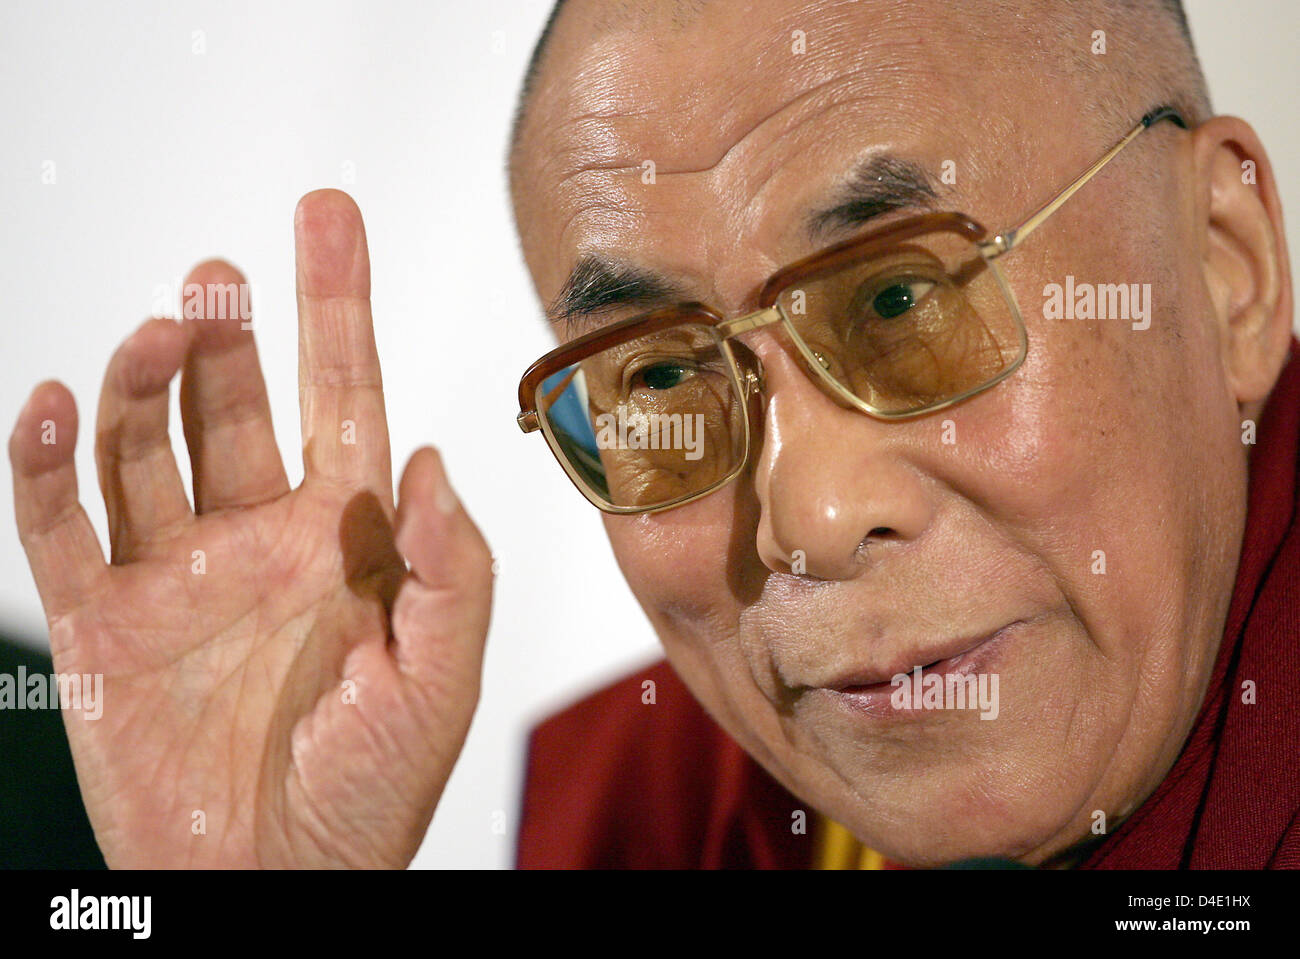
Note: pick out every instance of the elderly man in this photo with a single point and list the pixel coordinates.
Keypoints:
(931, 364)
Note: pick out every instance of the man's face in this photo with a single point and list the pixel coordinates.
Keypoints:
(1073, 530)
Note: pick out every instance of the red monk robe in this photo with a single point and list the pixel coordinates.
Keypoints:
(613, 783)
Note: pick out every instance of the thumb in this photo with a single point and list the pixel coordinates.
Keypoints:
(441, 612)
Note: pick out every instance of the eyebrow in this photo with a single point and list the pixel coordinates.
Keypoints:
(877, 185)
(598, 284)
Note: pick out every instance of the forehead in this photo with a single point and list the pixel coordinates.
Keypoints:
(671, 144)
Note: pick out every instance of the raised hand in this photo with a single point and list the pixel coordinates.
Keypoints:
(289, 674)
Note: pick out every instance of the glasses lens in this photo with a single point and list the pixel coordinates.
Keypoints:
(649, 422)
(907, 326)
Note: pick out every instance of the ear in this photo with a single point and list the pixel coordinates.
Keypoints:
(1245, 258)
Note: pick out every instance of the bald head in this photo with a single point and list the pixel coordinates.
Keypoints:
(1156, 61)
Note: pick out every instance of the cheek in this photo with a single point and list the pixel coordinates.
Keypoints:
(1095, 460)
(1044, 447)
(685, 565)
(693, 569)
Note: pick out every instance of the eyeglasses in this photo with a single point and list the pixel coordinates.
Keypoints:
(657, 410)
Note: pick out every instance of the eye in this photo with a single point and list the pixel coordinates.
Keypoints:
(897, 298)
(663, 376)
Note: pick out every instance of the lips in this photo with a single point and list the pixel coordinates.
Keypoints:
(870, 693)
(944, 658)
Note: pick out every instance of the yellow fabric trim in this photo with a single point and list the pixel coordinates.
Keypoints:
(837, 848)
(870, 859)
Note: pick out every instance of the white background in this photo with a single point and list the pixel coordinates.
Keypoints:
(164, 157)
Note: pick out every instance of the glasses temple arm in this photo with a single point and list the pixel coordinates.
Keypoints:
(1008, 239)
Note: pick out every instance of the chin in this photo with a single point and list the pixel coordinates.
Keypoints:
(1025, 828)
(983, 802)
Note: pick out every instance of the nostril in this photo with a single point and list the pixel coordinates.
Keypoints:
(875, 537)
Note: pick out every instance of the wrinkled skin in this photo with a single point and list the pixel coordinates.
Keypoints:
(279, 688)
(861, 548)
(850, 547)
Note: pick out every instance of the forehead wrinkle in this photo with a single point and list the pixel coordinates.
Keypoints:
(603, 107)
(595, 101)
(624, 161)
(610, 75)
(909, 139)
(607, 105)
(815, 104)
(589, 154)
(873, 144)
(906, 143)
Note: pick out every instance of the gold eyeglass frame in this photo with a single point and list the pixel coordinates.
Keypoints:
(746, 380)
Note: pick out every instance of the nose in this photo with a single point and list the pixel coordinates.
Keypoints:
(835, 493)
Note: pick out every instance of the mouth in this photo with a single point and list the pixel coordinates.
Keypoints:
(871, 690)
(942, 659)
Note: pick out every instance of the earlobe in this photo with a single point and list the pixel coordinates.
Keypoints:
(1245, 264)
